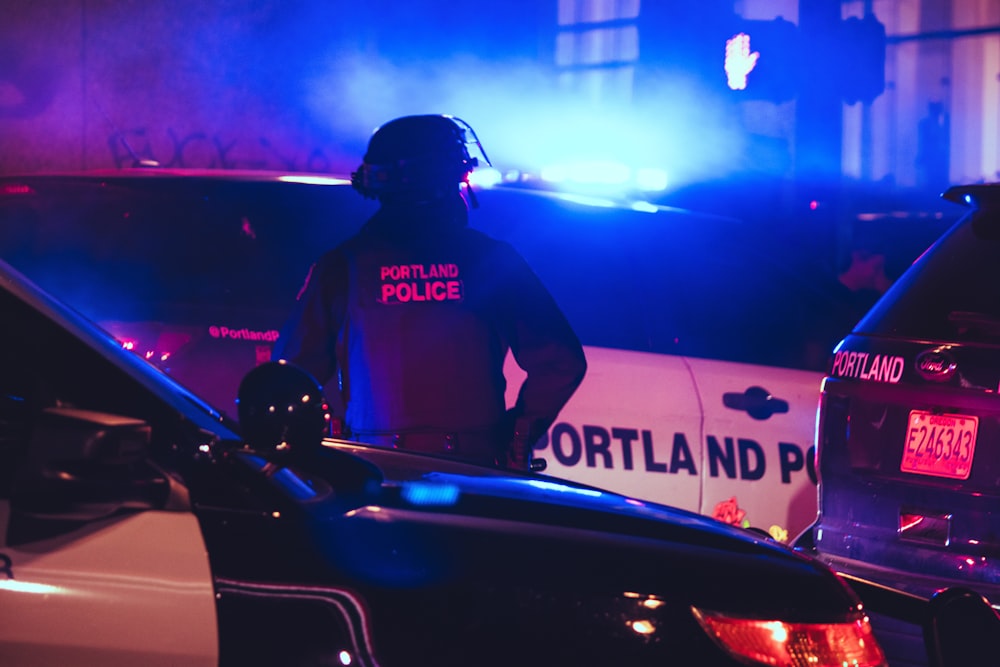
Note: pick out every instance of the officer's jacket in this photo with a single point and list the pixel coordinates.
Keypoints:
(412, 318)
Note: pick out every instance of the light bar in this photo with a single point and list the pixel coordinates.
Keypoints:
(485, 178)
(314, 180)
(605, 176)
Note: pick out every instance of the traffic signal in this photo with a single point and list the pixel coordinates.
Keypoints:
(775, 60)
(761, 59)
(862, 49)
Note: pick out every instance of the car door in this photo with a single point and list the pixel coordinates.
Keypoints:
(633, 427)
(101, 560)
(759, 459)
(126, 590)
(692, 397)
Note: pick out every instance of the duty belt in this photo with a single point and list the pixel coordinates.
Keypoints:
(470, 445)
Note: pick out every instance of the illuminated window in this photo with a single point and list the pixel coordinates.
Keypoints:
(597, 47)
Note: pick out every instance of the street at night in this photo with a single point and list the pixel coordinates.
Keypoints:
(591, 332)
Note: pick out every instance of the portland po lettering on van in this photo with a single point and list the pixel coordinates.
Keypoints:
(633, 449)
(409, 283)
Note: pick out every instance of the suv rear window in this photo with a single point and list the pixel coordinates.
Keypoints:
(937, 302)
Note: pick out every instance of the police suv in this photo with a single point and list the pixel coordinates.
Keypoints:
(696, 393)
(909, 423)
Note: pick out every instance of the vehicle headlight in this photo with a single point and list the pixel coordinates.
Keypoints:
(784, 644)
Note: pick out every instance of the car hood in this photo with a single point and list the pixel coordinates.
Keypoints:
(422, 521)
(385, 518)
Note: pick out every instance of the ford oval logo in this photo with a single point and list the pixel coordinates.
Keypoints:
(935, 365)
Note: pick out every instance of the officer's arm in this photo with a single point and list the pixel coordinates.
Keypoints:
(309, 338)
(544, 344)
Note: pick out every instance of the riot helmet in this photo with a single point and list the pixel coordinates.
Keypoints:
(417, 158)
(281, 410)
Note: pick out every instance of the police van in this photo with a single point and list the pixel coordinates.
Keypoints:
(696, 394)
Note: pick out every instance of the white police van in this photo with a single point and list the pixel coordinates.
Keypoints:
(696, 395)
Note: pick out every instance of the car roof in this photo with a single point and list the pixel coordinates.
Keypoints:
(980, 195)
(172, 175)
(161, 173)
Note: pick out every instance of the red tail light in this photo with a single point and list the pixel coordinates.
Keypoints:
(12, 189)
(783, 644)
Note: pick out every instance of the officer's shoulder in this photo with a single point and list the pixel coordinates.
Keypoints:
(485, 240)
(333, 257)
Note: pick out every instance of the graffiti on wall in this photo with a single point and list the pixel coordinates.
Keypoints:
(199, 149)
(26, 88)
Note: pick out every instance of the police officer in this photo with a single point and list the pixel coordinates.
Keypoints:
(415, 314)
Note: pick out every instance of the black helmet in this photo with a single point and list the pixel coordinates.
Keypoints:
(281, 410)
(414, 157)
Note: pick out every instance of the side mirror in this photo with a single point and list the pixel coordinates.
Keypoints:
(282, 412)
(83, 465)
(962, 629)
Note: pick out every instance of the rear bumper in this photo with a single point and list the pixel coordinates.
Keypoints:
(954, 626)
(916, 585)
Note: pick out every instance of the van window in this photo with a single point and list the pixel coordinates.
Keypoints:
(145, 250)
(936, 302)
(670, 282)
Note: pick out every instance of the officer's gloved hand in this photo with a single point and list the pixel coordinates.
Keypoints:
(518, 455)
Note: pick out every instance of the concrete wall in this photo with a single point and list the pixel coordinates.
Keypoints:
(289, 85)
(182, 82)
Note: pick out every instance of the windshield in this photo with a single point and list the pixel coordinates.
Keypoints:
(53, 337)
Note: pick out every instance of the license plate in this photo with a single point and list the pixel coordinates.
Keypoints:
(939, 445)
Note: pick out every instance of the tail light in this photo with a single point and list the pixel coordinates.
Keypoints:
(12, 189)
(783, 644)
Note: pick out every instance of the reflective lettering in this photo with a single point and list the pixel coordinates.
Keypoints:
(417, 283)
(418, 271)
(863, 366)
(647, 449)
(882, 370)
(218, 331)
(597, 440)
(811, 464)
(576, 448)
(716, 456)
(442, 271)
(727, 457)
(680, 458)
(872, 372)
(627, 436)
(791, 460)
(851, 359)
(895, 372)
(746, 448)
(415, 292)
(597, 443)
(735, 458)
